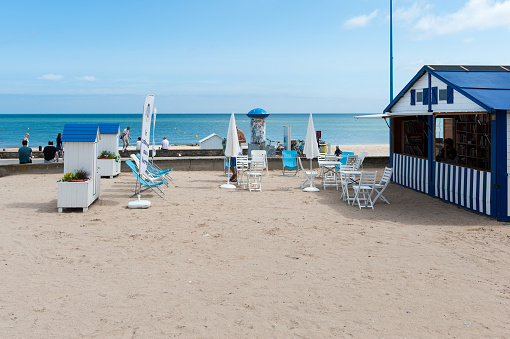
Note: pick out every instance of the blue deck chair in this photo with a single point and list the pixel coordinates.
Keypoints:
(148, 185)
(343, 160)
(290, 161)
(149, 175)
(156, 171)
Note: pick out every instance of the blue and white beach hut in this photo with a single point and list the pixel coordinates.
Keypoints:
(81, 145)
(467, 107)
(109, 141)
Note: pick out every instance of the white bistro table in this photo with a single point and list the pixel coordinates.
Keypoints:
(329, 172)
(350, 177)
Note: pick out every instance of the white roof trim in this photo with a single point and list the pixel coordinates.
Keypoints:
(372, 116)
(410, 114)
(210, 136)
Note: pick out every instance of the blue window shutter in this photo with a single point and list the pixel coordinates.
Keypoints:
(433, 96)
(449, 95)
(426, 96)
(413, 97)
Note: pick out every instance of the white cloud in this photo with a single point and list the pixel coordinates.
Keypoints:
(360, 21)
(87, 78)
(411, 14)
(475, 15)
(51, 77)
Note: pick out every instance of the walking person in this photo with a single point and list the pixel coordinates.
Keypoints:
(124, 137)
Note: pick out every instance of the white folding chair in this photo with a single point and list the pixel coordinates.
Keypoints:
(352, 159)
(255, 173)
(381, 186)
(363, 190)
(321, 157)
(260, 155)
(329, 176)
(345, 181)
(242, 169)
(309, 175)
(359, 162)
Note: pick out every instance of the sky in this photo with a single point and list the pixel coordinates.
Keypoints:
(203, 56)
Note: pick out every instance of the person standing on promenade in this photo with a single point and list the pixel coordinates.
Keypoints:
(242, 139)
(124, 137)
(60, 149)
(25, 153)
(50, 153)
(165, 143)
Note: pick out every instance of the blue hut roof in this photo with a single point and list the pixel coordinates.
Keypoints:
(109, 128)
(80, 132)
(488, 86)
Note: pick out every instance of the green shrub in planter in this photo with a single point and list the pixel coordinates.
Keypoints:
(109, 155)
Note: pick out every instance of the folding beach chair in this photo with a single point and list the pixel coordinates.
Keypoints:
(148, 175)
(147, 184)
(290, 161)
(260, 155)
(242, 167)
(255, 173)
(361, 157)
(309, 175)
(153, 168)
(381, 186)
(363, 190)
(343, 160)
(346, 180)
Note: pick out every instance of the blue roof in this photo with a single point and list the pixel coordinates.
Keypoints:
(109, 128)
(80, 132)
(488, 86)
(257, 113)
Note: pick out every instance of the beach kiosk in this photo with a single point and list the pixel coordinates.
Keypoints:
(81, 145)
(258, 129)
(450, 136)
(109, 141)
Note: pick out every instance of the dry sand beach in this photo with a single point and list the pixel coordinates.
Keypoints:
(211, 263)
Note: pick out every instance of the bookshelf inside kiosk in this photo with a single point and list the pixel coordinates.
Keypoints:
(410, 136)
(471, 135)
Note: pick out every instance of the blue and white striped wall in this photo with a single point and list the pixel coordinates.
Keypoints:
(461, 186)
(411, 172)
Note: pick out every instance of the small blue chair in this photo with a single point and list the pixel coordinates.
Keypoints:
(290, 161)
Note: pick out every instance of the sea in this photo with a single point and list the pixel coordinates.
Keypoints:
(187, 129)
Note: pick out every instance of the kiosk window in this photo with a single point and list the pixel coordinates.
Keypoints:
(463, 140)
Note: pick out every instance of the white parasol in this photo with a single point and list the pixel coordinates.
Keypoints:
(232, 147)
(311, 150)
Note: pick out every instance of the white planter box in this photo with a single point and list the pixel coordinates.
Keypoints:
(76, 195)
(108, 167)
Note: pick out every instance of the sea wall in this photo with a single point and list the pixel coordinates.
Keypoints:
(182, 163)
